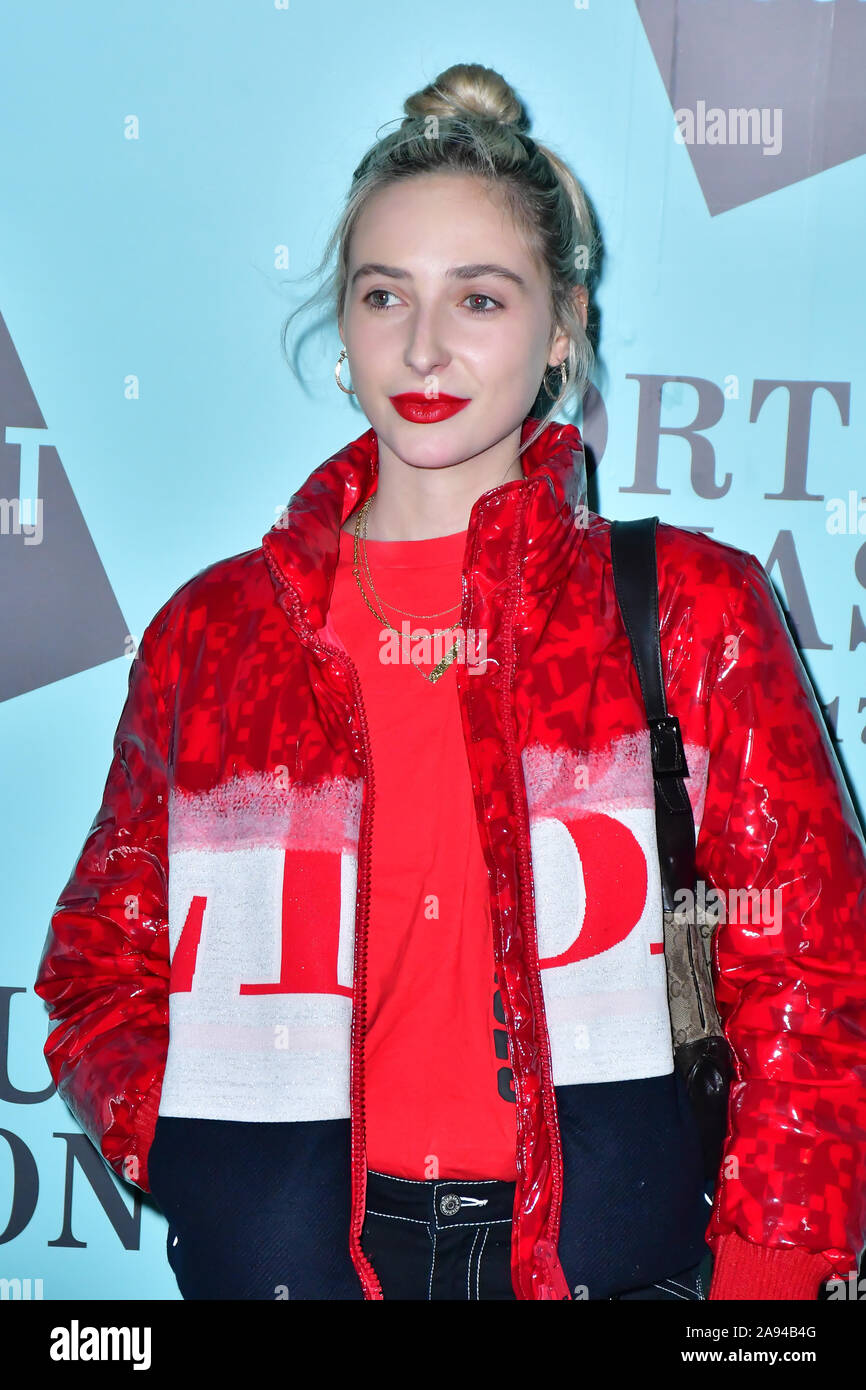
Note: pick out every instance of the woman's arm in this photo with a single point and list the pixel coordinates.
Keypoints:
(790, 1206)
(104, 970)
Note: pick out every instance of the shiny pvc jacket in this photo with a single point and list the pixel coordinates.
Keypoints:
(243, 744)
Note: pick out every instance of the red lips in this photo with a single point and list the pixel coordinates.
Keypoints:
(421, 410)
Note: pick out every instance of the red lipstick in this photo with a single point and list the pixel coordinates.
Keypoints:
(424, 410)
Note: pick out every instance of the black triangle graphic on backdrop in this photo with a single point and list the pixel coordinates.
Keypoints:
(58, 613)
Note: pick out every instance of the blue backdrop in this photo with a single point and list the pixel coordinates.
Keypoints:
(161, 167)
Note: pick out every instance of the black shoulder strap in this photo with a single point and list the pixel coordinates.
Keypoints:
(633, 555)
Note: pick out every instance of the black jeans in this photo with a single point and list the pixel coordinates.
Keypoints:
(444, 1238)
(691, 1283)
(450, 1238)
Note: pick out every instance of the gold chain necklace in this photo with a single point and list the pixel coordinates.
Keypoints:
(446, 661)
(362, 520)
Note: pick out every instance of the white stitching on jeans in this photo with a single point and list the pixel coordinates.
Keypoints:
(674, 1285)
(389, 1216)
(469, 1264)
(442, 1182)
(461, 1225)
(391, 1176)
(432, 1267)
(478, 1266)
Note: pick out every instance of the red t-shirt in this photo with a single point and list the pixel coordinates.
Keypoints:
(438, 1085)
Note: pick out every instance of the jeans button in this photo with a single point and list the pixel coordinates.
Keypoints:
(449, 1204)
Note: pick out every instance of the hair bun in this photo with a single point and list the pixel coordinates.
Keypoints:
(470, 90)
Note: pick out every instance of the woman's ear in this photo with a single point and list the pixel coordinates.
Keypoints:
(581, 299)
(558, 349)
(560, 344)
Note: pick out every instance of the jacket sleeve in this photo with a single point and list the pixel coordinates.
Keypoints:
(790, 972)
(104, 970)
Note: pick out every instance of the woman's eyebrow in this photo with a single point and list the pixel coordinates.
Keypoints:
(459, 272)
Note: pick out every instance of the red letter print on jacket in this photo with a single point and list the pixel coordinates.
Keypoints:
(262, 888)
(598, 907)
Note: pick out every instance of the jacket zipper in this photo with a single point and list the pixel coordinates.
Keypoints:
(369, 1279)
(372, 1286)
(554, 1285)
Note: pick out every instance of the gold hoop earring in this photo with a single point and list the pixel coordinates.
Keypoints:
(340, 360)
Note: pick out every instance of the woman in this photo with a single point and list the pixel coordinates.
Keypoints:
(360, 971)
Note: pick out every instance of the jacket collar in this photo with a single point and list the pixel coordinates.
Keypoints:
(541, 518)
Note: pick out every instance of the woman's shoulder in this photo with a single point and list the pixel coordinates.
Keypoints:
(705, 585)
(215, 594)
(710, 561)
(686, 556)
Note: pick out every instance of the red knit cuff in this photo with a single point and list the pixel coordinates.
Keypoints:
(144, 1127)
(742, 1269)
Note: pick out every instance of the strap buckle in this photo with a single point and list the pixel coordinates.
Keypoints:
(666, 744)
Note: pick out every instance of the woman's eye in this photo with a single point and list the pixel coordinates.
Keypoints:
(369, 299)
(476, 310)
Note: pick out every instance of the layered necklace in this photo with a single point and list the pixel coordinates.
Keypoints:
(361, 544)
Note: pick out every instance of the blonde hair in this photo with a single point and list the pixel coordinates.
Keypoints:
(471, 121)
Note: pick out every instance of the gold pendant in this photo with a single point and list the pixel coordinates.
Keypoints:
(441, 667)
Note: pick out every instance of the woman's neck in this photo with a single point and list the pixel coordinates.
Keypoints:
(412, 503)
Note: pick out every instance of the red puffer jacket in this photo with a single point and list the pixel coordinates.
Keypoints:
(238, 808)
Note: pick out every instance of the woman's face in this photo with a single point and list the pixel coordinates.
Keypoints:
(423, 315)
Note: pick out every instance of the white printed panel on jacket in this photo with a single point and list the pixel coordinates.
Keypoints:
(598, 907)
(262, 892)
